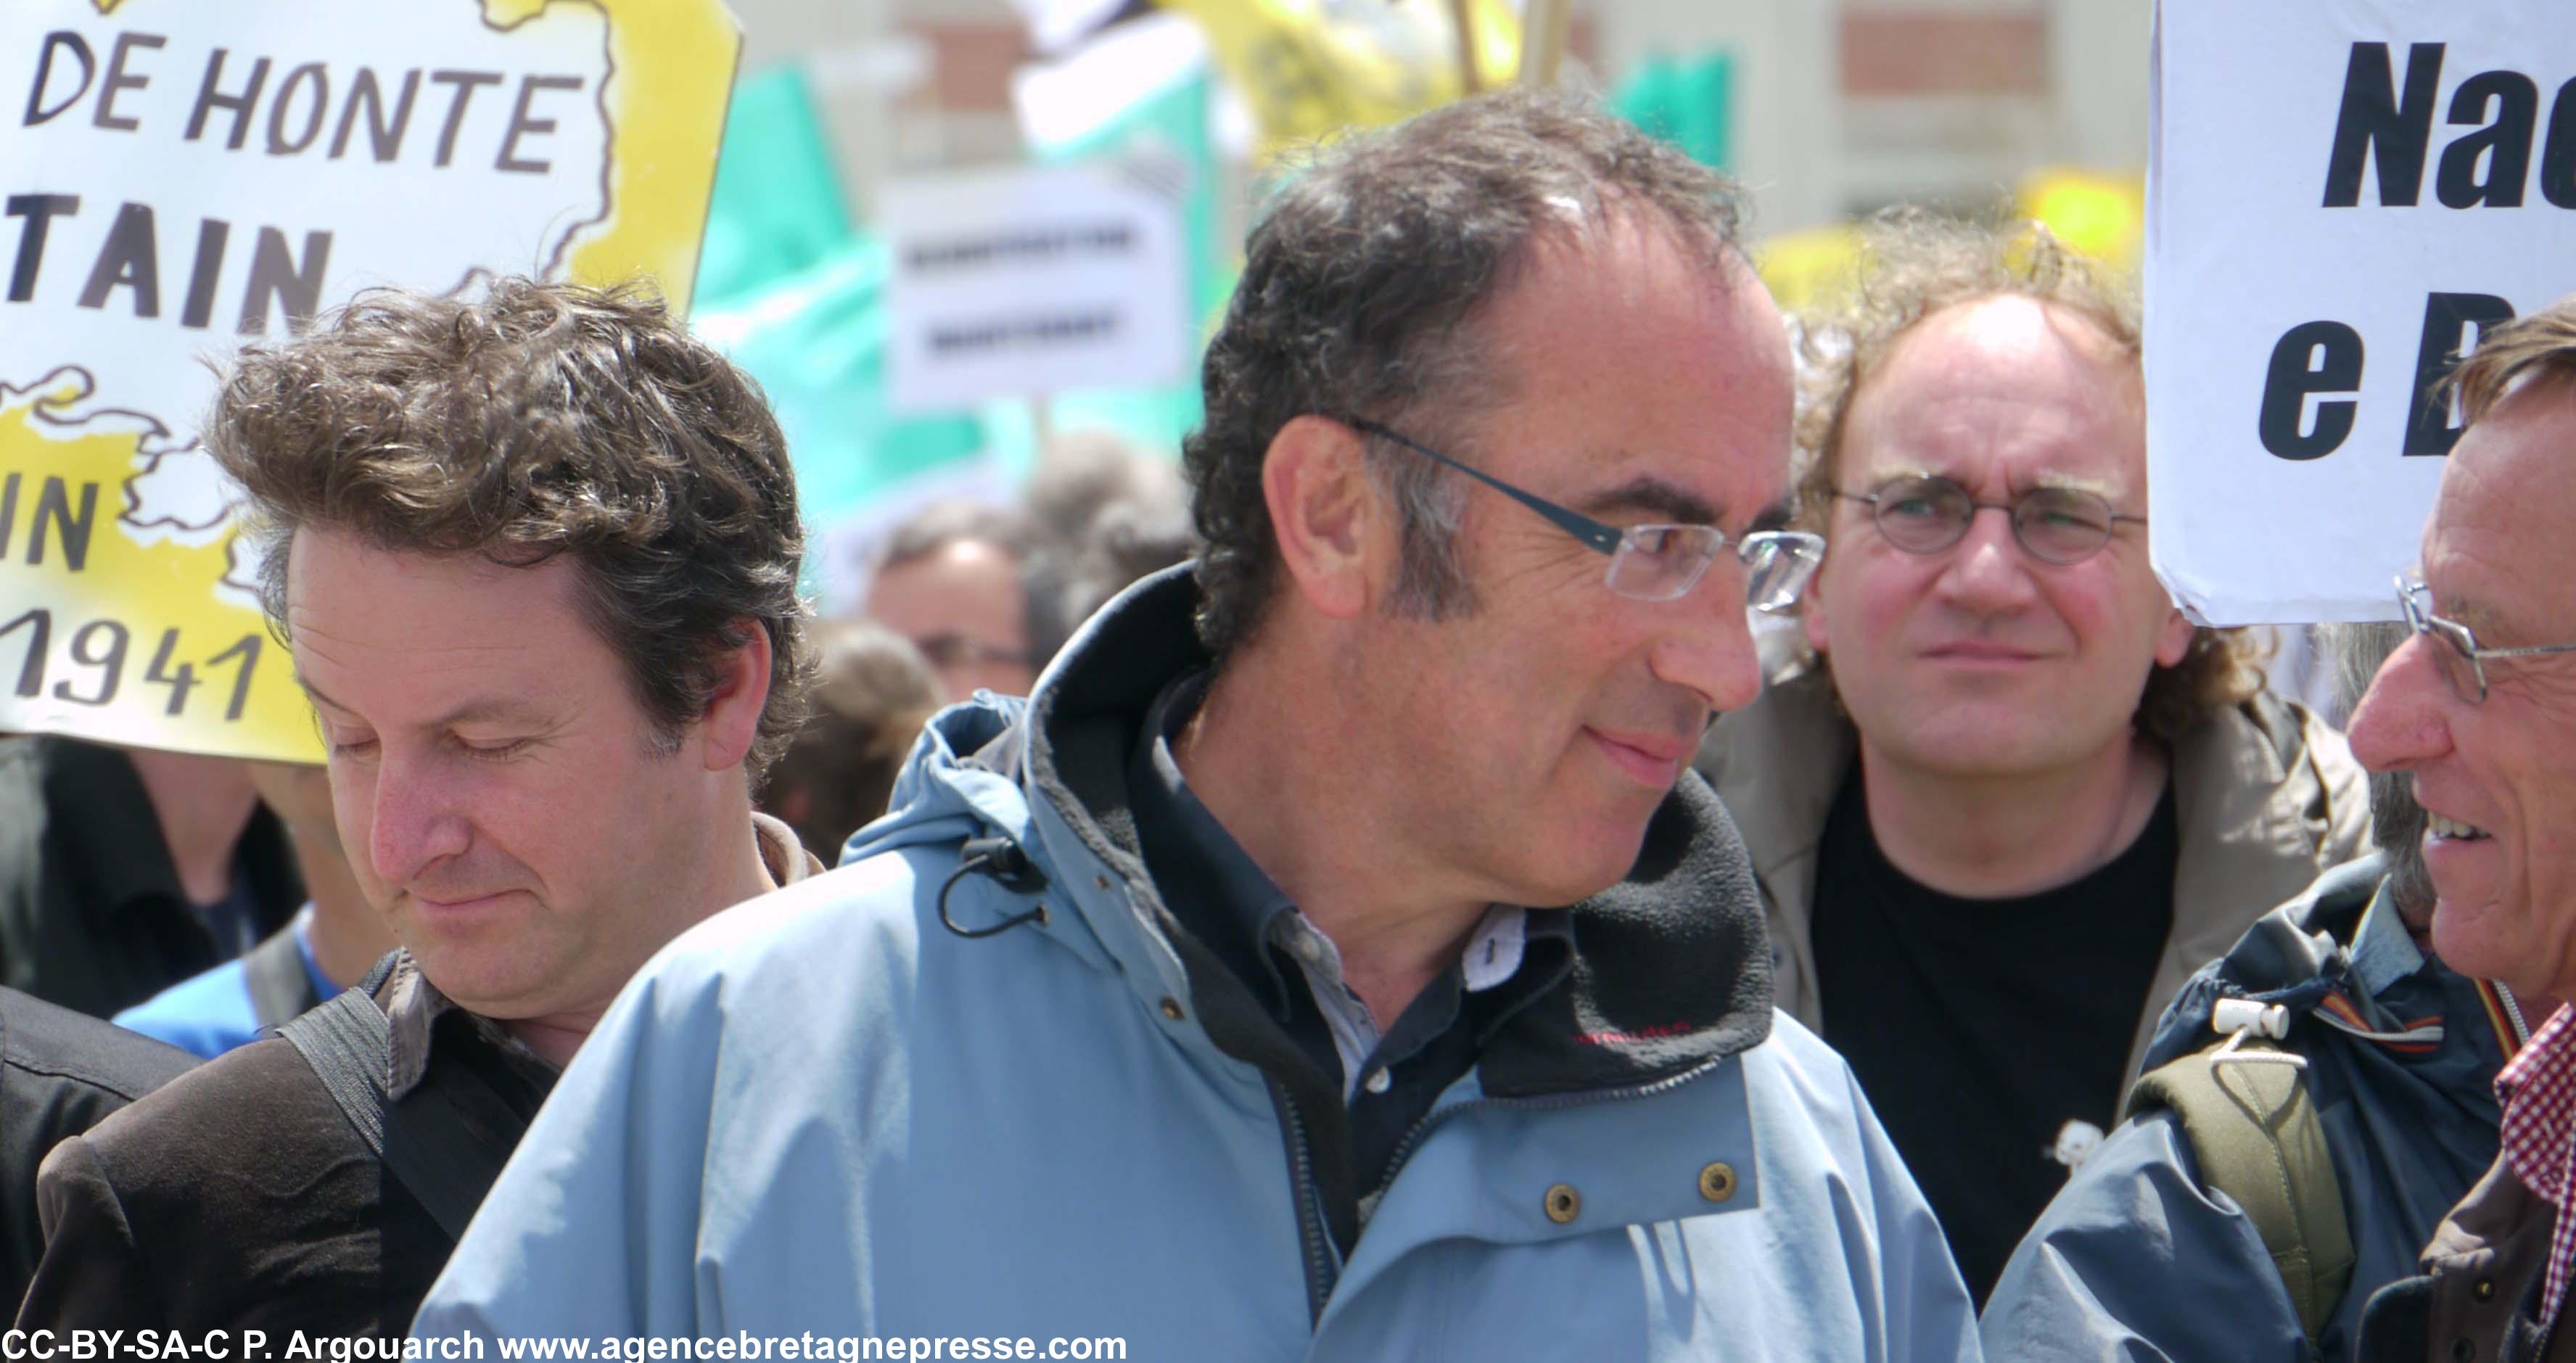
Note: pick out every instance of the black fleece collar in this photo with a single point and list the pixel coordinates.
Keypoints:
(1671, 972)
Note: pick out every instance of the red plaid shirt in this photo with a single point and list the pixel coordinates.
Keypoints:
(2538, 1090)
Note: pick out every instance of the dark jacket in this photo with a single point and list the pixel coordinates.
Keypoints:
(91, 912)
(2135, 1258)
(60, 1074)
(241, 1197)
(2485, 1270)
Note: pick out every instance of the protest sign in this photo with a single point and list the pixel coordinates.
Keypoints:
(1310, 69)
(179, 179)
(2342, 196)
(1026, 281)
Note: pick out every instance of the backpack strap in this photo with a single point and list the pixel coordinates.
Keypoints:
(280, 986)
(350, 1046)
(2254, 1129)
(445, 1141)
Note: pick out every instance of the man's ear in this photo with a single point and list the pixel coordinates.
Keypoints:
(1811, 613)
(732, 718)
(2173, 642)
(1334, 535)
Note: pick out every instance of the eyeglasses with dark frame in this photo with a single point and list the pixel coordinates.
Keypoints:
(1925, 513)
(1661, 562)
(2463, 661)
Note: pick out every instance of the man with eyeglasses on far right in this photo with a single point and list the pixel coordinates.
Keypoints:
(2479, 709)
(2017, 798)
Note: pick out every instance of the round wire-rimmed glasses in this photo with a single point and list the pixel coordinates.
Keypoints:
(1662, 562)
(1925, 513)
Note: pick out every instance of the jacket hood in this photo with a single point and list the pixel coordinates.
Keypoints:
(2295, 955)
(1671, 967)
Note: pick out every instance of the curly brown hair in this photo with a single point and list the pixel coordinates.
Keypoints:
(537, 420)
(1914, 264)
(1362, 288)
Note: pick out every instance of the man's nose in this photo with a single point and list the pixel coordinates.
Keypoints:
(2402, 719)
(1709, 649)
(416, 819)
(1987, 571)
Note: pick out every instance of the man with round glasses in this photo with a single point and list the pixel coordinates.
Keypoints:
(2479, 707)
(1336, 957)
(2017, 798)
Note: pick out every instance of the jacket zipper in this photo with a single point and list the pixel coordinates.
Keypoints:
(2513, 1012)
(1320, 1273)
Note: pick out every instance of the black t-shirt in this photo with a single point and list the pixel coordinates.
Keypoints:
(1981, 1028)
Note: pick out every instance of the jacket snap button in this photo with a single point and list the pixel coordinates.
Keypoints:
(2462, 1350)
(2484, 1290)
(1563, 1203)
(1717, 1182)
(1172, 1009)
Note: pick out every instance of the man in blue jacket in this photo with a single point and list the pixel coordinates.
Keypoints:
(1334, 958)
(2141, 1257)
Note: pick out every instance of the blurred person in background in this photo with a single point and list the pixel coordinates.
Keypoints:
(1111, 517)
(2479, 708)
(1336, 958)
(872, 693)
(124, 870)
(61, 1073)
(2230, 1217)
(325, 948)
(2019, 798)
(961, 581)
(534, 553)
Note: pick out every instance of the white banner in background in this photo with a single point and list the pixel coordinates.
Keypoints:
(2341, 194)
(1011, 283)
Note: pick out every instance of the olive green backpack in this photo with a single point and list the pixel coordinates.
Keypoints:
(2255, 1131)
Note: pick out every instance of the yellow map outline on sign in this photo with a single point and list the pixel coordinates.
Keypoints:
(156, 577)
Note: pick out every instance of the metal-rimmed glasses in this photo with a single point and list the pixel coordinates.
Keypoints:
(2463, 661)
(1925, 513)
(1662, 562)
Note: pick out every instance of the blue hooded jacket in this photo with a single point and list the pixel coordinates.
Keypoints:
(2136, 1260)
(824, 1111)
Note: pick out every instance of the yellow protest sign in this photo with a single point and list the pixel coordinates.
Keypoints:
(178, 179)
(1810, 270)
(2104, 216)
(1310, 68)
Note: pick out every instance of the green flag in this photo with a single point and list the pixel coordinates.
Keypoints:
(777, 208)
(1684, 102)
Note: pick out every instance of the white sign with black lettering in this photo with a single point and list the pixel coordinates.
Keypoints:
(1033, 280)
(2341, 195)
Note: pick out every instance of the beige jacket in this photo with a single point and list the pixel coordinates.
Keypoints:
(2267, 796)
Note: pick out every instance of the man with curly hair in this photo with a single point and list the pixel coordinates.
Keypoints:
(534, 554)
(2018, 797)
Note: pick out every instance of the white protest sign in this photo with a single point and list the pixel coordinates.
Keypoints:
(1034, 280)
(2341, 194)
(178, 177)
